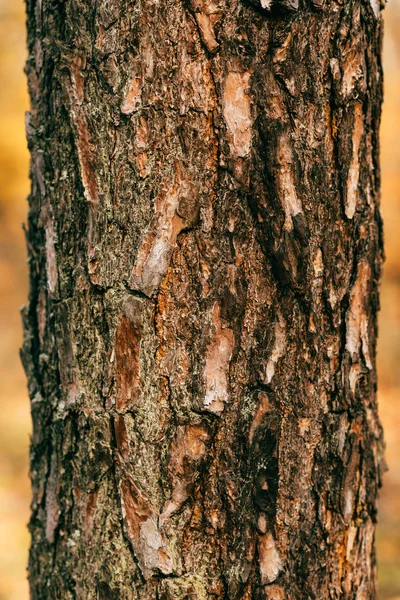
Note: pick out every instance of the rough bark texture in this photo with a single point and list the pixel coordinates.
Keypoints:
(205, 250)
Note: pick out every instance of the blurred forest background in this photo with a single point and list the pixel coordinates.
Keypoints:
(14, 405)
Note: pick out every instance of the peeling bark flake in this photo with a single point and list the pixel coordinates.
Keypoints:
(376, 7)
(51, 264)
(286, 183)
(218, 355)
(357, 319)
(278, 349)
(270, 562)
(187, 450)
(52, 503)
(156, 250)
(354, 170)
(127, 366)
(133, 97)
(236, 103)
(205, 24)
(143, 532)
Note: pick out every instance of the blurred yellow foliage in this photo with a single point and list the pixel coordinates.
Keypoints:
(14, 406)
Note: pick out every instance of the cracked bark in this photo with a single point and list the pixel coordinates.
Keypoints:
(205, 249)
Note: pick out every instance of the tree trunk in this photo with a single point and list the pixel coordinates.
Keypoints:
(205, 249)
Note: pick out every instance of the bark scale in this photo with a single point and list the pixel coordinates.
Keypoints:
(205, 249)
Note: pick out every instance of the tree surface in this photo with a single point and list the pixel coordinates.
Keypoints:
(205, 249)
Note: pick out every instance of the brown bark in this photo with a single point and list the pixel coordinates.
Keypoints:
(205, 250)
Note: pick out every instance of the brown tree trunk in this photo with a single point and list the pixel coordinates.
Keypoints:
(205, 249)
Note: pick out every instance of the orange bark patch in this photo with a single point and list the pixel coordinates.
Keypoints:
(142, 529)
(354, 170)
(274, 592)
(218, 355)
(205, 23)
(357, 322)
(278, 349)
(141, 163)
(188, 448)
(84, 145)
(136, 506)
(262, 408)
(133, 97)
(207, 14)
(85, 155)
(76, 66)
(121, 436)
(141, 139)
(127, 351)
(270, 562)
(286, 184)
(156, 249)
(142, 133)
(194, 440)
(236, 103)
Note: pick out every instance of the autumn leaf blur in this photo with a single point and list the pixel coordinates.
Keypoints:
(388, 533)
(14, 406)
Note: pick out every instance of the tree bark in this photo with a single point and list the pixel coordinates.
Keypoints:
(205, 249)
